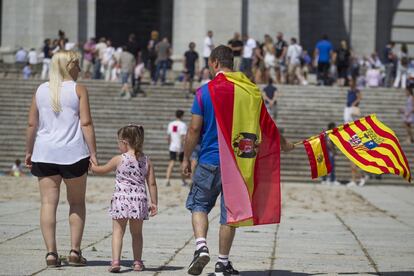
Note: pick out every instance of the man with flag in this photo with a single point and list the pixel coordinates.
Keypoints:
(239, 159)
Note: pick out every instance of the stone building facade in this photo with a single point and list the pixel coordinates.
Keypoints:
(366, 24)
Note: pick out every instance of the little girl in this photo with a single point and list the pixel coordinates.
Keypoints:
(129, 201)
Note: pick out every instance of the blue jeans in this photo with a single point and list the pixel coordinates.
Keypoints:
(97, 70)
(332, 176)
(161, 65)
(205, 190)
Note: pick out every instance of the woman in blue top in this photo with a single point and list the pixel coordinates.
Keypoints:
(353, 99)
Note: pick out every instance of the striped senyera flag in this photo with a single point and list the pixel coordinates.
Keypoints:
(249, 151)
(372, 146)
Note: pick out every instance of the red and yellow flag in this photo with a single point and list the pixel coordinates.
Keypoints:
(372, 146)
(249, 151)
(318, 155)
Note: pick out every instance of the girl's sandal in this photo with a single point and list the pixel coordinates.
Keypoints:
(77, 260)
(115, 266)
(53, 262)
(138, 266)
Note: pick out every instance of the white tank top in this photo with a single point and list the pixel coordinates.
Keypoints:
(59, 138)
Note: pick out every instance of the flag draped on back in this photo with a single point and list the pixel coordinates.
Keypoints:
(372, 146)
(318, 155)
(249, 151)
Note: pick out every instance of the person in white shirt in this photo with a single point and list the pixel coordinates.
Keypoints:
(293, 55)
(32, 56)
(108, 60)
(99, 54)
(249, 45)
(176, 131)
(208, 46)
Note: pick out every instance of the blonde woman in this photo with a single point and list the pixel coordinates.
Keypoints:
(60, 141)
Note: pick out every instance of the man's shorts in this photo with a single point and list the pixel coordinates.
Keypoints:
(74, 170)
(124, 77)
(205, 190)
(173, 156)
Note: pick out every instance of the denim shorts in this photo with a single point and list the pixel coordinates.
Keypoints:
(205, 190)
(124, 77)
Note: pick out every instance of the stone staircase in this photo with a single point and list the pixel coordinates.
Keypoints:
(303, 112)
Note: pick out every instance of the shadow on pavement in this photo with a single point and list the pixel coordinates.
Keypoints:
(272, 272)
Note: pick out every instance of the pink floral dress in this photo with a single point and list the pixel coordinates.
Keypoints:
(129, 200)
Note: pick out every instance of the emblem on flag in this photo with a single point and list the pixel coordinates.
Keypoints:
(245, 145)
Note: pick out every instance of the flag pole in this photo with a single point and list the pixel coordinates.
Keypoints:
(312, 137)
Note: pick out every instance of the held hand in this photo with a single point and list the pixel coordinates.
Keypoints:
(153, 209)
(28, 160)
(288, 147)
(186, 168)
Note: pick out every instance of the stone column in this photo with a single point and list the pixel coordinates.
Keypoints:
(193, 18)
(27, 23)
(363, 31)
(272, 16)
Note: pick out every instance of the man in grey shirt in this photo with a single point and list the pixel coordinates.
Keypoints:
(127, 64)
(163, 50)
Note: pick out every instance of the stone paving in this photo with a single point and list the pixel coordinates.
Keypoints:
(324, 231)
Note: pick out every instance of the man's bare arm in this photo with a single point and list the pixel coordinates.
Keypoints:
(191, 141)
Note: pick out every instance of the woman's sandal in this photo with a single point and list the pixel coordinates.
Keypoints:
(53, 262)
(77, 260)
(115, 266)
(138, 266)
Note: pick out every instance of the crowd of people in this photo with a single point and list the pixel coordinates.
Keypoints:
(272, 58)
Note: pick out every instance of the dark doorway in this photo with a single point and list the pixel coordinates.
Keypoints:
(116, 19)
(320, 17)
(1, 14)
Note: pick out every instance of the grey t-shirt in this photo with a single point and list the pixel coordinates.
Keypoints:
(163, 49)
(127, 61)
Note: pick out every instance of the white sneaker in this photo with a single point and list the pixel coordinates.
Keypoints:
(351, 184)
(361, 182)
(324, 182)
(335, 183)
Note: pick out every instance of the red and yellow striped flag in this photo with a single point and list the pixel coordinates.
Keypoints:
(249, 151)
(372, 146)
(318, 155)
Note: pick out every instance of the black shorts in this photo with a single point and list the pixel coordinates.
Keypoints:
(173, 156)
(74, 170)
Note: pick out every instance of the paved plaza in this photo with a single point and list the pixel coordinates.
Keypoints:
(324, 231)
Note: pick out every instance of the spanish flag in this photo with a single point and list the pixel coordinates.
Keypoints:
(318, 155)
(249, 151)
(372, 146)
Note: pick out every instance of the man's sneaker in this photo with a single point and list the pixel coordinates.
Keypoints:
(201, 259)
(222, 270)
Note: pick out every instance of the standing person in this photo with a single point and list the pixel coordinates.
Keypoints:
(236, 45)
(134, 49)
(47, 55)
(293, 58)
(402, 66)
(258, 65)
(190, 66)
(270, 98)
(129, 201)
(408, 114)
(108, 60)
(331, 155)
(88, 53)
(351, 113)
(322, 57)
(152, 53)
(32, 56)
(163, 50)
(281, 47)
(342, 60)
(99, 55)
(207, 176)
(176, 132)
(127, 65)
(21, 56)
(269, 57)
(207, 47)
(60, 141)
(389, 63)
(248, 53)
